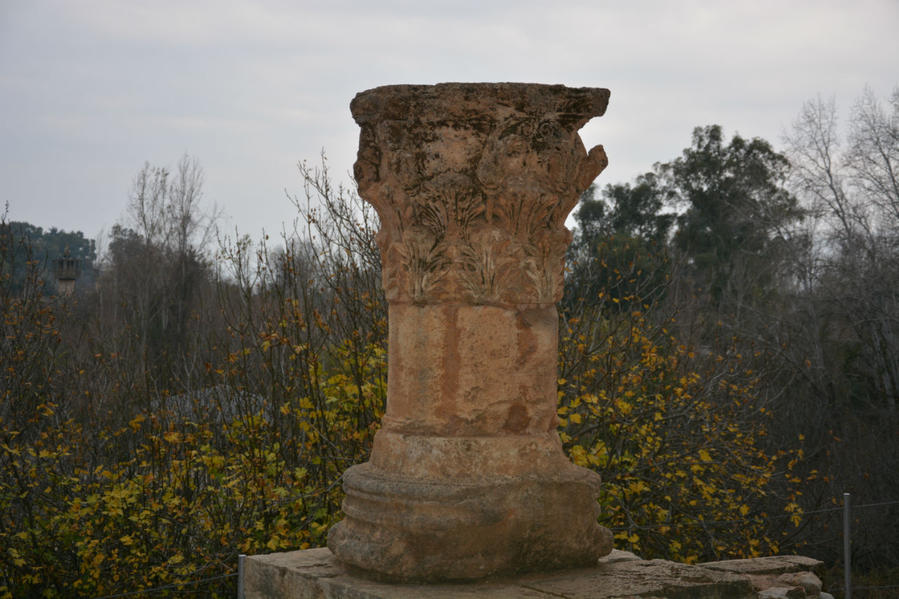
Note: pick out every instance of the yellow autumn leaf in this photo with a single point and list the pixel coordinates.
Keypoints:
(135, 422)
(637, 487)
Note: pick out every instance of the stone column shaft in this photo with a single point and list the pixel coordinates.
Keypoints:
(467, 477)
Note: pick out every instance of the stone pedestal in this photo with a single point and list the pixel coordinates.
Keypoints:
(620, 575)
(467, 477)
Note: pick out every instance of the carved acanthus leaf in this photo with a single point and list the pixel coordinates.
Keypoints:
(473, 183)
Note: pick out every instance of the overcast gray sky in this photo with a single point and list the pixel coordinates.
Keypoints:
(91, 89)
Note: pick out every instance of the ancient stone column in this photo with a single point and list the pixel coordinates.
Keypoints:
(467, 477)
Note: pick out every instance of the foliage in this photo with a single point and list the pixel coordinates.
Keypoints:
(156, 279)
(738, 212)
(676, 437)
(111, 481)
(789, 261)
(620, 248)
(192, 495)
(189, 409)
(624, 209)
(251, 461)
(842, 316)
(724, 208)
(45, 247)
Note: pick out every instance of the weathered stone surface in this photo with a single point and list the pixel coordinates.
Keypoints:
(810, 583)
(462, 370)
(472, 183)
(654, 578)
(316, 573)
(782, 593)
(776, 576)
(467, 477)
(617, 555)
(776, 564)
(465, 530)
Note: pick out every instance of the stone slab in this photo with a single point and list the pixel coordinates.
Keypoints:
(774, 564)
(316, 574)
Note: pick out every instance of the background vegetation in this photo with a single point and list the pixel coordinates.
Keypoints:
(729, 363)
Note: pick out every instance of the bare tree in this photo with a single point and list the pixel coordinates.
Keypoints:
(156, 268)
(841, 329)
(165, 207)
(873, 155)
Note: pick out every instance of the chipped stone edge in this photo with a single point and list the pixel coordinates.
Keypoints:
(316, 573)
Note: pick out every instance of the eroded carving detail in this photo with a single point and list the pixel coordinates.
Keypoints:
(473, 184)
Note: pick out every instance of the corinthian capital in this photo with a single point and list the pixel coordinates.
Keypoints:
(473, 183)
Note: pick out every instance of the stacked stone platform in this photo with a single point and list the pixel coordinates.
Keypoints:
(315, 573)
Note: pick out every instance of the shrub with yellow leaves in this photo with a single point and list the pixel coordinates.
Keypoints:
(111, 484)
(674, 436)
(114, 480)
